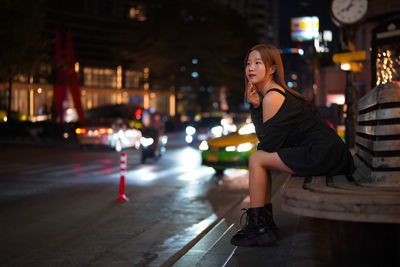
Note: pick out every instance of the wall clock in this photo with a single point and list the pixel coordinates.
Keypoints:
(348, 12)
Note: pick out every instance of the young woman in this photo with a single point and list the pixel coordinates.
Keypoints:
(292, 139)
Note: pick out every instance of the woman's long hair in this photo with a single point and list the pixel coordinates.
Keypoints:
(270, 56)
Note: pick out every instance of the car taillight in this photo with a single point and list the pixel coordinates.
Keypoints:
(105, 131)
(80, 131)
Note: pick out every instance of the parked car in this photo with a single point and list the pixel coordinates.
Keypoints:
(207, 128)
(230, 151)
(114, 126)
(114, 133)
(203, 129)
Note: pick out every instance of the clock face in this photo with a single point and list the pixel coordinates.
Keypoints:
(349, 11)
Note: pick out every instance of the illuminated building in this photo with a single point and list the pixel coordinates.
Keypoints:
(102, 33)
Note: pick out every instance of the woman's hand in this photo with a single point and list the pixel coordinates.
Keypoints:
(252, 95)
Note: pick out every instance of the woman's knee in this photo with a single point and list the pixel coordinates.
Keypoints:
(257, 158)
(268, 161)
(262, 158)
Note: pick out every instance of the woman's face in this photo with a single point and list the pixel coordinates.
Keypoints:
(255, 68)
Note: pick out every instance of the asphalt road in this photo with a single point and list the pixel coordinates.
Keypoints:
(58, 205)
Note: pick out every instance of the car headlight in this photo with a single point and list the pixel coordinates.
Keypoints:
(145, 141)
(190, 130)
(203, 145)
(244, 147)
(121, 134)
(230, 148)
(247, 129)
(164, 139)
(230, 128)
(217, 131)
(189, 139)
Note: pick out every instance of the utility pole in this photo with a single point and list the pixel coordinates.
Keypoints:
(350, 112)
(349, 92)
(347, 15)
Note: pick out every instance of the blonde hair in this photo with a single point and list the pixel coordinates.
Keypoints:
(270, 55)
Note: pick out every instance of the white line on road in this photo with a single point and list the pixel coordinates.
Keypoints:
(229, 258)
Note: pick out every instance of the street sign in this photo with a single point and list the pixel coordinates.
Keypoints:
(349, 56)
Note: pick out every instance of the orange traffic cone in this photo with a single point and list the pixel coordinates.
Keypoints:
(121, 197)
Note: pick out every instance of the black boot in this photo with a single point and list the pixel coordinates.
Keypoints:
(270, 219)
(257, 230)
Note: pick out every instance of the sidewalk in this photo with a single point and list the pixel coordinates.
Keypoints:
(303, 241)
(294, 248)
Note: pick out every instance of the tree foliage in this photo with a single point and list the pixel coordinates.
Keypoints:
(21, 46)
(21, 26)
(178, 31)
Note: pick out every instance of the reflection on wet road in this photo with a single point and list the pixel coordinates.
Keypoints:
(172, 200)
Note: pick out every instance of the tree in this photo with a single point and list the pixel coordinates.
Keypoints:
(177, 32)
(21, 24)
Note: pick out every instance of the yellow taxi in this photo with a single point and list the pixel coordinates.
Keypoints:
(230, 151)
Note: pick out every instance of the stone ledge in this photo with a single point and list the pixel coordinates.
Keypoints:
(344, 201)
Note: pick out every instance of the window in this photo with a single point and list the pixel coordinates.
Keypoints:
(133, 79)
(101, 78)
(137, 12)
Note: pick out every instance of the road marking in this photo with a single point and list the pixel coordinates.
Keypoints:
(177, 243)
(230, 256)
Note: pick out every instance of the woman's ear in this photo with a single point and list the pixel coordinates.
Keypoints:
(273, 69)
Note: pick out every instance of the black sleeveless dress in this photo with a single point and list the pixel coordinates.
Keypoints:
(306, 144)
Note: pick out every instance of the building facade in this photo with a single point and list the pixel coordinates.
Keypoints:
(262, 15)
(103, 32)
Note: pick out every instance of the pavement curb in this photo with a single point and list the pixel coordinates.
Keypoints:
(182, 257)
(174, 258)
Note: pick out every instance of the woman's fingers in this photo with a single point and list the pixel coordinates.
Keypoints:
(253, 96)
(251, 88)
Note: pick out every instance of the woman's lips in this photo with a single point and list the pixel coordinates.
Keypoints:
(251, 76)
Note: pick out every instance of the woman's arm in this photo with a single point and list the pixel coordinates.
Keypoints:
(272, 135)
(271, 104)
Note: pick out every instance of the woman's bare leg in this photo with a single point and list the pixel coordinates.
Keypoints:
(260, 182)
